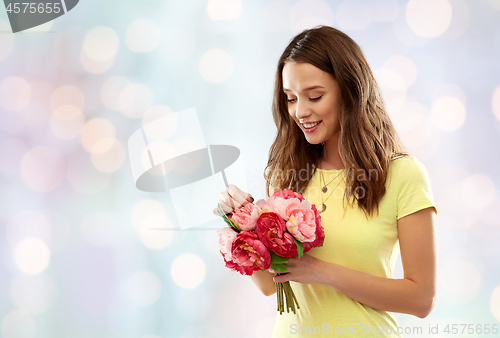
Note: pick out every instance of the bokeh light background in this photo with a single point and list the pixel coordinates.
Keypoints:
(77, 256)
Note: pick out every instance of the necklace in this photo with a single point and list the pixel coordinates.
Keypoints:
(325, 189)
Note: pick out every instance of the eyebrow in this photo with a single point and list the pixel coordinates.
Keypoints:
(306, 89)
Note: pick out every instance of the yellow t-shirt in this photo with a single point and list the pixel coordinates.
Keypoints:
(370, 246)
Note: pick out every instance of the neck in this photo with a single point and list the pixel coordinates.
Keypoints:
(331, 157)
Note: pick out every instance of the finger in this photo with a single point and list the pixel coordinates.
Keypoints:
(282, 278)
(229, 201)
(291, 263)
(216, 213)
(225, 206)
(238, 195)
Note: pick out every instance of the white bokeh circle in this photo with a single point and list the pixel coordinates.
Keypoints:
(156, 231)
(459, 281)
(448, 113)
(224, 9)
(216, 65)
(428, 18)
(18, 324)
(495, 303)
(101, 44)
(404, 66)
(188, 271)
(32, 255)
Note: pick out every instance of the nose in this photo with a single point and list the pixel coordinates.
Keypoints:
(302, 109)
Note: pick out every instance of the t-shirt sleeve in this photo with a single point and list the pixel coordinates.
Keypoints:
(415, 189)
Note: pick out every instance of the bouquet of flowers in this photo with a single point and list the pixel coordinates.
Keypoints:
(266, 234)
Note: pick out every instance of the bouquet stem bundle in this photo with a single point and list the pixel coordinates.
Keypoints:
(285, 289)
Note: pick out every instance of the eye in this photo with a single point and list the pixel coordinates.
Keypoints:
(290, 100)
(316, 98)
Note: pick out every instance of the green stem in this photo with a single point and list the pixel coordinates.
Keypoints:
(284, 294)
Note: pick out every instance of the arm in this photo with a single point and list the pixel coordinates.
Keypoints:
(415, 294)
(264, 282)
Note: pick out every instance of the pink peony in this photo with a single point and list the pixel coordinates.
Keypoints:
(249, 252)
(227, 236)
(278, 205)
(320, 232)
(301, 221)
(271, 229)
(245, 218)
(287, 194)
(244, 270)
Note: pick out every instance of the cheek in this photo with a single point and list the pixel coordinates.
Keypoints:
(330, 114)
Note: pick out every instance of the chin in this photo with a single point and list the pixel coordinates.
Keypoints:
(314, 141)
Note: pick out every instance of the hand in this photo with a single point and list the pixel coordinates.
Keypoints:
(305, 270)
(232, 198)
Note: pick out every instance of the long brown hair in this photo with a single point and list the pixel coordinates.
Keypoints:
(368, 140)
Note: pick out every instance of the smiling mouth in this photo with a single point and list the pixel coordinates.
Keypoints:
(310, 125)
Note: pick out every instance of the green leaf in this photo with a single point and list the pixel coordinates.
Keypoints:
(278, 259)
(278, 262)
(226, 219)
(300, 247)
(279, 267)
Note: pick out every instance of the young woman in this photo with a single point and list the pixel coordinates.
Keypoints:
(336, 145)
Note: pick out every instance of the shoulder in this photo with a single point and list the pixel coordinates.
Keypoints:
(410, 186)
(406, 167)
(407, 173)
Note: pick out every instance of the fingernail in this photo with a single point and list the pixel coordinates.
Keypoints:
(252, 198)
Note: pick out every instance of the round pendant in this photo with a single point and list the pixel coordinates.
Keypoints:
(323, 207)
(324, 189)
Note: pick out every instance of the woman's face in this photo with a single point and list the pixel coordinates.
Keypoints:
(313, 96)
